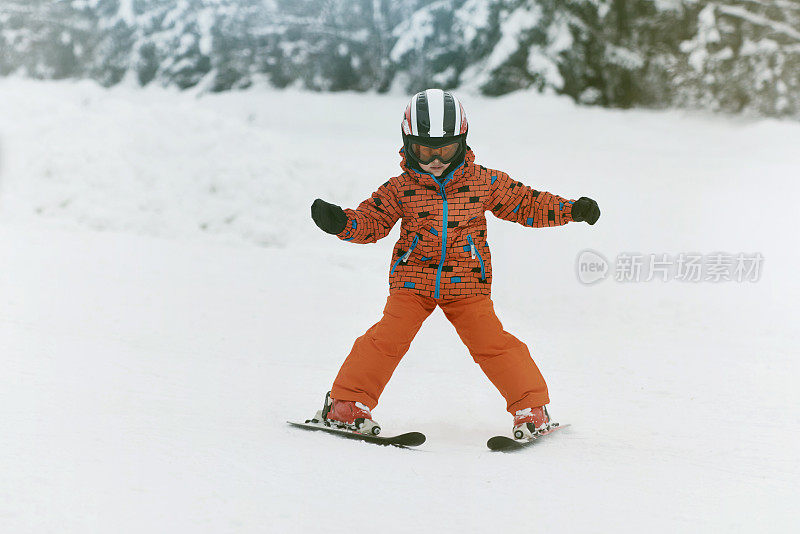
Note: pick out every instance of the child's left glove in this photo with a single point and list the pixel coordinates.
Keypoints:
(329, 217)
(585, 209)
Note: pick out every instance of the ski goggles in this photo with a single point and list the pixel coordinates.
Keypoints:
(426, 153)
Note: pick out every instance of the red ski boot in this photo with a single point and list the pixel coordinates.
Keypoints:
(349, 414)
(532, 422)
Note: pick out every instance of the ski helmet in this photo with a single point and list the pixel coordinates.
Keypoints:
(434, 119)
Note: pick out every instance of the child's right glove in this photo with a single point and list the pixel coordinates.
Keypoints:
(585, 209)
(329, 217)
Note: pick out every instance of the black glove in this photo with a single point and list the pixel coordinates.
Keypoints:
(329, 217)
(585, 209)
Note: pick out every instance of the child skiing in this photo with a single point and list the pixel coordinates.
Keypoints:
(442, 258)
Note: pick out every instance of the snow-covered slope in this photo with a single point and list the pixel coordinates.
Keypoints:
(148, 369)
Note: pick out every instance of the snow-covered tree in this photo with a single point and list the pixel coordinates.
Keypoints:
(745, 54)
(436, 43)
(332, 45)
(43, 39)
(730, 55)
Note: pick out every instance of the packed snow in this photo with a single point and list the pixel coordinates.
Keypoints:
(167, 304)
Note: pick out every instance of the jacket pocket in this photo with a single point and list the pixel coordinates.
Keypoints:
(473, 251)
(404, 257)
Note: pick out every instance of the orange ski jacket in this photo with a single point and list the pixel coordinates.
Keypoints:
(442, 251)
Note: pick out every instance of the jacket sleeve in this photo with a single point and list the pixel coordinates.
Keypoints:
(374, 218)
(516, 202)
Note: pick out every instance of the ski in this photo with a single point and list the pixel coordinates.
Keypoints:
(506, 444)
(404, 441)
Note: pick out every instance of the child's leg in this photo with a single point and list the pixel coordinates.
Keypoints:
(375, 355)
(504, 358)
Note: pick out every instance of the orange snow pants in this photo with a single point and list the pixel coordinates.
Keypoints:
(504, 359)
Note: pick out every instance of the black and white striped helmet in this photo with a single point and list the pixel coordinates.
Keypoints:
(433, 118)
(434, 113)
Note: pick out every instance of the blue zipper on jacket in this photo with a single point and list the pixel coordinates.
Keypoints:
(444, 238)
(444, 227)
(404, 257)
(480, 259)
(444, 223)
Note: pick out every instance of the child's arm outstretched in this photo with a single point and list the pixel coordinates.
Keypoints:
(372, 220)
(516, 202)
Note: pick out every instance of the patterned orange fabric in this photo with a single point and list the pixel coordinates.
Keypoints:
(443, 251)
(504, 359)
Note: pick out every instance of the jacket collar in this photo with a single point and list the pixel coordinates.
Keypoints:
(426, 179)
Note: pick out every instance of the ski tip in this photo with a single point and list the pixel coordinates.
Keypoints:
(299, 423)
(412, 439)
(503, 443)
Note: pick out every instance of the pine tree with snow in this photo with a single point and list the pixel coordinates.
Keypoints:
(743, 55)
(43, 39)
